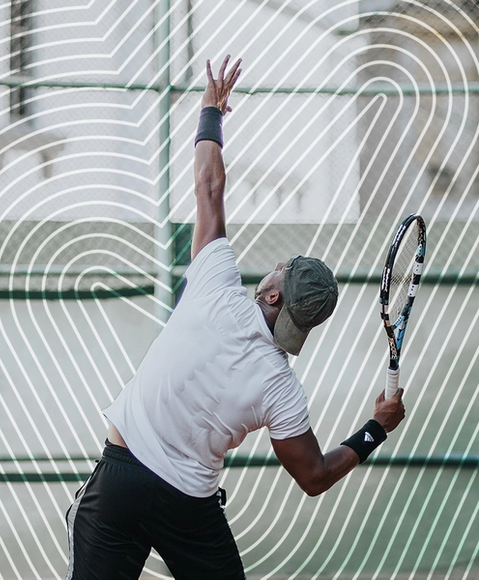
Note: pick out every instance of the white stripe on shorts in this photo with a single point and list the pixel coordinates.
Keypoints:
(70, 523)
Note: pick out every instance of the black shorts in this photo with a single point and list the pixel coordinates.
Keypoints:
(124, 510)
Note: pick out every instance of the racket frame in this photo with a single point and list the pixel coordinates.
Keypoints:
(395, 341)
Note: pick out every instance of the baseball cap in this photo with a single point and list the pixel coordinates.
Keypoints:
(310, 295)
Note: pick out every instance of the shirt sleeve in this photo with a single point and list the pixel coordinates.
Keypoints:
(287, 410)
(213, 269)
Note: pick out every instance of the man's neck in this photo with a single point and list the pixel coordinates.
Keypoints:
(270, 313)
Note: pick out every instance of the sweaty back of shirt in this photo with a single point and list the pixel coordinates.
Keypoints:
(213, 375)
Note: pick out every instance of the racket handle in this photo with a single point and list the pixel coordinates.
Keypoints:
(392, 383)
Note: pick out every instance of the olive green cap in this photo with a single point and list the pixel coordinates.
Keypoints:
(310, 294)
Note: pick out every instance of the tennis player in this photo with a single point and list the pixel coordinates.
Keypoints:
(218, 370)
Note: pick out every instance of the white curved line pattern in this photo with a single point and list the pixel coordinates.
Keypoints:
(349, 115)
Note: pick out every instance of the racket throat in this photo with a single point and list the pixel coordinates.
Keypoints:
(393, 364)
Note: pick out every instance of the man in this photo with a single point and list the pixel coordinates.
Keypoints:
(218, 370)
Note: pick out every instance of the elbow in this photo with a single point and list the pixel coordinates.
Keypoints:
(318, 479)
(314, 491)
(315, 486)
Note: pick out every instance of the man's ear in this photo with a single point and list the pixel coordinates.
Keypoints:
(272, 297)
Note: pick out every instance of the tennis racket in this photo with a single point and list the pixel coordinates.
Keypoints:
(399, 284)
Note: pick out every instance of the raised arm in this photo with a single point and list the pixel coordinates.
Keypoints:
(210, 176)
(314, 472)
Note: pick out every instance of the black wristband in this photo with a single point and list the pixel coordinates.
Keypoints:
(366, 440)
(210, 127)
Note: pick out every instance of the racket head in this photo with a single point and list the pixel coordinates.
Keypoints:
(400, 280)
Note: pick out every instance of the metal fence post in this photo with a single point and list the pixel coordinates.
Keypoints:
(162, 228)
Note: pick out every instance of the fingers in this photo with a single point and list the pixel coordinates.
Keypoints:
(221, 73)
(398, 395)
(395, 399)
(209, 72)
(380, 398)
(232, 75)
(234, 72)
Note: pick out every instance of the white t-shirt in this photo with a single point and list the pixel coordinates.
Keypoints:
(213, 375)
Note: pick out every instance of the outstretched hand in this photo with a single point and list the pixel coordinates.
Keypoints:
(218, 90)
(389, 412)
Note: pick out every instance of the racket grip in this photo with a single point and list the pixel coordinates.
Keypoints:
(392, 383)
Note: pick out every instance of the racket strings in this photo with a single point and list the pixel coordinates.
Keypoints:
(402, 273)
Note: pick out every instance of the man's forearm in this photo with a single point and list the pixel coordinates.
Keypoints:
(331, 468)
(210, 178)
(210, 175)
